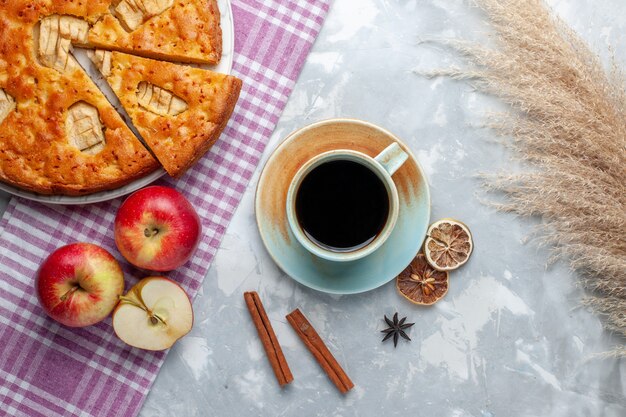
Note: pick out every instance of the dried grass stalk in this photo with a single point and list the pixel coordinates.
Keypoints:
(568, 121)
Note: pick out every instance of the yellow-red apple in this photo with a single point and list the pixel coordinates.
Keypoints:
(79, 284)
(156, 228)
(154, 314)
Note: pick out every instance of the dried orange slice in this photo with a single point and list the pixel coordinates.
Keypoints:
(420, 283)
(448, 244)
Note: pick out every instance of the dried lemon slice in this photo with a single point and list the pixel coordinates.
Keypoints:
(420, 283)
(448, 244)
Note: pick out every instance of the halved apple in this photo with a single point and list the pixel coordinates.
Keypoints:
(154, 314)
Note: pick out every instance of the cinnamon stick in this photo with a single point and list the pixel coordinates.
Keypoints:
(316, 346)
(268, 338)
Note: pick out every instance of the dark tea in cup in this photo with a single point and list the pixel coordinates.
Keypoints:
(342, 205)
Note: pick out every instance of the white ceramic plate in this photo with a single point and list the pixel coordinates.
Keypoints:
(225, 66)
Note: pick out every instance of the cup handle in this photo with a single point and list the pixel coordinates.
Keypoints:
(392, 158)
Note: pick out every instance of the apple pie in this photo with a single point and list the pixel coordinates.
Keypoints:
(179, 111)
(58, 132)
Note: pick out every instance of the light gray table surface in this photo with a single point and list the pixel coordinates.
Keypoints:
(509, 339)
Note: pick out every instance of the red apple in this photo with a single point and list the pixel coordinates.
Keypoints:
(79, 284)
(156, 228)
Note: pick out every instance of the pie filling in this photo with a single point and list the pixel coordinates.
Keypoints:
(133, 13)
(84, 129)
(102, 60)
(7, 105)
(54, 37)
(159, 100)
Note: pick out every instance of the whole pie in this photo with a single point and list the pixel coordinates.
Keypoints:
(58, 132)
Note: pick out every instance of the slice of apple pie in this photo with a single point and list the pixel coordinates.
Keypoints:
(184, 31)
(179, 111)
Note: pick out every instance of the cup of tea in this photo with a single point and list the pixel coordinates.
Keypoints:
(342, 205)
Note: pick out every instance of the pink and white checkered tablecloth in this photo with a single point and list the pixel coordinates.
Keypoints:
(50, 370)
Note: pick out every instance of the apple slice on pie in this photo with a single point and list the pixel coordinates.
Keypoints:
(179, 111)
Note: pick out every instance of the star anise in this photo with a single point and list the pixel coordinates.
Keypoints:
(396, 329)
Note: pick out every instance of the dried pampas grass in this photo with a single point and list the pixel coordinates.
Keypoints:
(568, 121)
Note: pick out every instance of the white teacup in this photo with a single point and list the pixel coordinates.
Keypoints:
(383, 165)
